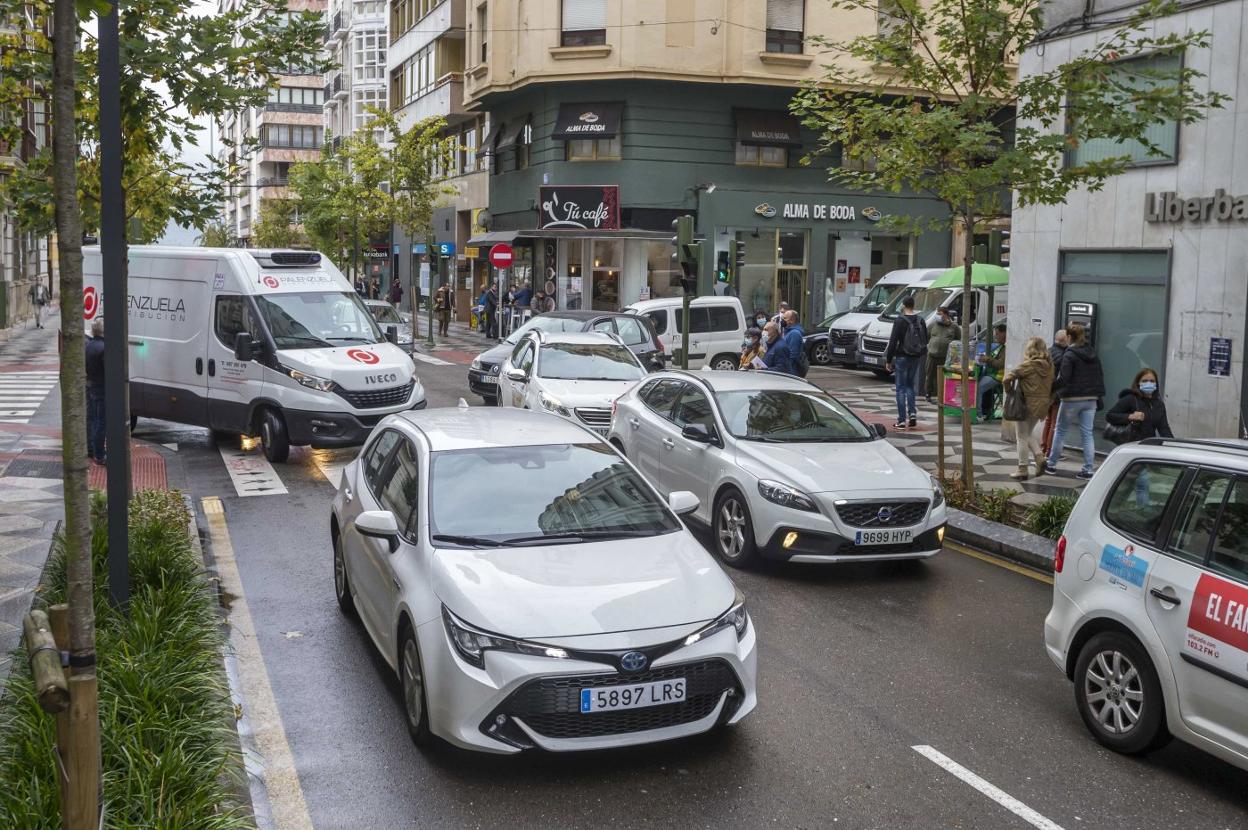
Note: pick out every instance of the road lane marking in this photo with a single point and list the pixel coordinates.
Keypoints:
(331, 463)
(1000, 563)
(281, 778)
(251, 472)
(1003, 798)
(433, 361)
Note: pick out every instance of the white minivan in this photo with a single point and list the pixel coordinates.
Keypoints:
(274, 343)
(844, 331)
(716, 332)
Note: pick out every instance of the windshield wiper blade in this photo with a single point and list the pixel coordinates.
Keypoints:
(478, 541)
(304, 338)
(763, 438)
(351, 339)
(583, 535)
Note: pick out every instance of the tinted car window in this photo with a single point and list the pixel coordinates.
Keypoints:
(1230, 545)
(783, 416)
(693, 408)
(661, 396)
(632, 330)
(1198, 517)
(1138, 501)
(700, 321)
(233, 318)
(658, 318)
(399, 488)
(604, 326)
(375, 457)
(723, 318)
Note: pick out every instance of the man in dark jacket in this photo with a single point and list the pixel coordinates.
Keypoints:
(95, 391)
(1081, 385)
(904, 357)
(776, 356)
(794, 339)
(1061, 342)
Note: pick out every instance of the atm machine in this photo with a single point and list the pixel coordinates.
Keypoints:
(1085, 315)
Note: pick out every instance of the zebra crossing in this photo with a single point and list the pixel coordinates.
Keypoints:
(21, 394)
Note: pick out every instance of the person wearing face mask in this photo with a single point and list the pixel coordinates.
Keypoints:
(776, 354)
(1141, 408)
(760, 319)
(751, 349)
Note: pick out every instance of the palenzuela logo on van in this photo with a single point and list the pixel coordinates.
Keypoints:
(363, 356)
(90, 302)
(270, 281)
(149, 307)
(766, 211)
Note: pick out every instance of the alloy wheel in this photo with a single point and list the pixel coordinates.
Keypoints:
(731, 529)
(821, 355)
(1114, 691)
(413, 684)
(725, 365)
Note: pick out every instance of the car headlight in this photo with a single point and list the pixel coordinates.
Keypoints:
(938, 493)
(476, 363)
(553, 405)
(785, 495)
(472, 643)
(735, 617)
(310, 381)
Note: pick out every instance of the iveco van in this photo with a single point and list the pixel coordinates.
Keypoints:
(252, 342)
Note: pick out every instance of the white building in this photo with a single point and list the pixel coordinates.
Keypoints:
(357, 48)
(1162, 250)
(289, 129)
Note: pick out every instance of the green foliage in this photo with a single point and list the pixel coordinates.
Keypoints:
(995, 505)
(164, 706)
(1049, 517)
(216, 234)
(276, 226)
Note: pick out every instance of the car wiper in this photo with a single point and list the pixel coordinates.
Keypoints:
(351, 340)
(580, 535)
(477, 541)
(304, 339)
(762, 438)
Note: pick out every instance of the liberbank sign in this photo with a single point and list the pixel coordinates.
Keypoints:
(1220, 207)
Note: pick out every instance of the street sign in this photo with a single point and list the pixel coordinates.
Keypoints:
(501, 255)
(446, 248)
(472, 253)
(419, 248)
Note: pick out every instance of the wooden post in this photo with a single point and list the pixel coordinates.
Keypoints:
(940, 424)
(58, 616)
(81, 809)
(45, 663)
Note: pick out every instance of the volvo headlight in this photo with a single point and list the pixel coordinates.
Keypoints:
(553, 405)
(310, 381)
(472, 643)
(735, 617)
(938, 493)
(785, 495)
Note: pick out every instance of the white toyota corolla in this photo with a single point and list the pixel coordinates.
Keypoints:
(532, 590)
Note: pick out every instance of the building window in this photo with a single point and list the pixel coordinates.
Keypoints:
(291, 136)
(1142, 74)
(584, 23)
(525, 147)
(361, 100)
(594, 149)
(483, 21)
(785, 24)
(468, 149)
(298, 96)
(750, 155)
(369, 57)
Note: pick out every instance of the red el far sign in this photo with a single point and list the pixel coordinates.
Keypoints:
(501, 255)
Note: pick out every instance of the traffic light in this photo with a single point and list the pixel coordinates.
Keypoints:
(738, 256)
(688, 253)
(722, 272)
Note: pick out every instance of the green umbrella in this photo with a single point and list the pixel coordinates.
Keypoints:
(983, 275)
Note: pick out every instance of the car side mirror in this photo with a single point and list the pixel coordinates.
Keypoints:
(244, 348)
(392, 334)
(880, 430)
(379, 524)
(682, 502)
(517, 375)
(699, 433)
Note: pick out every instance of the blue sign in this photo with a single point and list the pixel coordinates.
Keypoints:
(420, 248)
(1124, 565)
(446, 248)
(398, 249)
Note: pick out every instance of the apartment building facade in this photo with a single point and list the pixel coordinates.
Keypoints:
(265, 142)
(609, 118)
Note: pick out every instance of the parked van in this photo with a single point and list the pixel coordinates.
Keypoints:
(251, 342)
(716, 332)
(873, 341)
(844, 331)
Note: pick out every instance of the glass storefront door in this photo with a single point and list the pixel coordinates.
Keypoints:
(775, 270)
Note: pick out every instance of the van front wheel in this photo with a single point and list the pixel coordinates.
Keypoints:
(273, 437)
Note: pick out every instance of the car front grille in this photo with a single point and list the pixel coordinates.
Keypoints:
(870, 344)
(594, 416)
(377, 398)
(551, 706)
(896, 513)
(844, 338)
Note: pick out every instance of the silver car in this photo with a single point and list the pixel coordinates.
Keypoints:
(781, 469)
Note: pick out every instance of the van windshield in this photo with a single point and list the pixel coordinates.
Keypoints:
(877, 298)
(893, 308)
(317, 319)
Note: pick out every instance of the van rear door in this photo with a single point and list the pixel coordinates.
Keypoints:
(168, 324)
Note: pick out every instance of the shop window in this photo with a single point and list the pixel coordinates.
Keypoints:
(605, 287)
(662, 275)
(584, 23)
(751, 155)
(785, 23)
(594, 149)
(1142, 74)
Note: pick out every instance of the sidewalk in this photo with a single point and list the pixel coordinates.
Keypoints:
(461, 346)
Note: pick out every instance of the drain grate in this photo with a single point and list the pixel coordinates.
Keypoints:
(34, 467)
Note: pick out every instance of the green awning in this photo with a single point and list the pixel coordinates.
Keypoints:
(983, 275)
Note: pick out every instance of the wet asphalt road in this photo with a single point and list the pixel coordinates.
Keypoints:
(857, 665)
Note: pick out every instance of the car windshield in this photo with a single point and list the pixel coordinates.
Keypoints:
(544, 323)
(318, 319)
(877, 298)
(781, 415)
(385, 314)
(588, 361)
(552, 494)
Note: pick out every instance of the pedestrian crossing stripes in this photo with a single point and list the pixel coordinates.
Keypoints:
(22, 393)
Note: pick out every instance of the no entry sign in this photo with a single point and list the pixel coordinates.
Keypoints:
(501, 255)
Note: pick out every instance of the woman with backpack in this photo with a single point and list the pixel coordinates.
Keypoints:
(1140, 412)
(1032, 380)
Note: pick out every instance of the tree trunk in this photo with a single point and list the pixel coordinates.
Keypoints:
(968, 452)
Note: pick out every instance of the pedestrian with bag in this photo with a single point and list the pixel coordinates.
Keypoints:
(1028, 387)
(795, 342)
(38, 299)
(940, 333)
(1061, 342)
(1139, 413)
(904, 357)
(1081, 386)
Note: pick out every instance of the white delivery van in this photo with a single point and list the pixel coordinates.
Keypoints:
(253, 342)
(844, 331)
(873, 341)
(716, 331)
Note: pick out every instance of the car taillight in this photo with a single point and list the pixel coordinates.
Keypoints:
(1059, 555)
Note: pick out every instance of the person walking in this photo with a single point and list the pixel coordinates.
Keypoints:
(396, 292)
(940, 333)
(992, 371)
(794, 341)
(95, 392)
(38, 299)
(491, 311)
(1141, 408)
(1033, 379)
(751, 349)
(1081, 385)
(906, 346)
(1061, 342)
(776, 353)
(444, 304)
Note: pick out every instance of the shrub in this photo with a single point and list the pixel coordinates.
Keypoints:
(995, 505)
(165, 713)
(1048, 518)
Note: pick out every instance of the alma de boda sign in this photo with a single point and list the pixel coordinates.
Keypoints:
(580, 207)
(1220, 207)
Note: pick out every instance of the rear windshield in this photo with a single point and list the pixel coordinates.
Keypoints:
(589, 361)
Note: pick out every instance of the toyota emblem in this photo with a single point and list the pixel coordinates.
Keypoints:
(633, 661)
(884, 514)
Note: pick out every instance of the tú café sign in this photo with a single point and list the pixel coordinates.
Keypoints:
(805, 210)
(1220, 207)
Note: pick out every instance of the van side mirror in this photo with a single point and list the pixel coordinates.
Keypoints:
(244, 348)
(392, 334)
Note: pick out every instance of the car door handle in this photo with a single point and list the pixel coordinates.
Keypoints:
(668, 443)
(1164, 597)
(212, 368)
(199, 365)
(635, 422)
(346, 492)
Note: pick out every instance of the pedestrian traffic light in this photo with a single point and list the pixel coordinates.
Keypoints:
(738, 255)
(722, 270)
(688, 252)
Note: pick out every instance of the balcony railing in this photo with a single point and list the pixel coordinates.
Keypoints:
(272, 181)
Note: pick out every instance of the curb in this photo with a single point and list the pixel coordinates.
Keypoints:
(1010, 543)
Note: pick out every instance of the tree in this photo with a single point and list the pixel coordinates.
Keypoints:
(928, 104)
(216, 234)
(276, 226)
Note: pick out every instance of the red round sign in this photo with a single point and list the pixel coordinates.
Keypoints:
(501, 255)
(363, 356)
(271, 281)
(90, 302)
